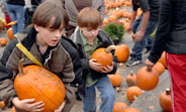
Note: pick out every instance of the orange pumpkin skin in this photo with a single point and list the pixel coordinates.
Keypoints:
(42, 85)
(10, 33)
(12, 109)
(130, 109)
(102, 57)
(147, 80)
(119, 106)
(122, 52)
(115, 79)
(133, 92)
(131, 79)
(3, 41)
(165, 101)
(162, 59)
(159, 68)
(2, 104)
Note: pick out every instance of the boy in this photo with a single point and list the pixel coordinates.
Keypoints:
(88, 37)
(43, 41)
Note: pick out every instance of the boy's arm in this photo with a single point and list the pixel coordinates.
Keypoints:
(6, 75)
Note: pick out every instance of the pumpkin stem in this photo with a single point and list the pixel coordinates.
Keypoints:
(110, 48)
(167, 91)
(21, 72)
(131, 73)
(149, 70)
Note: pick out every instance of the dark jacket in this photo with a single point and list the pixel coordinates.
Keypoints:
(16, 2)
(105, 42)
(56, 60)
(171, 32)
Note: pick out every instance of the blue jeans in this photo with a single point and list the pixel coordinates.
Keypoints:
(16, 13)
(107, 95)
(147, 41)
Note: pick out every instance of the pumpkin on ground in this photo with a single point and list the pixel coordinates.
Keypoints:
(2, 104)
(133, 92)
(119, 106)
(147, 80)
(10, 33)
(131, 109)
(115, 79)
(159, 68)
(3, 41)
(122, 52)
(35, 82)
(103, 55)
(131, 79)
(165, 100)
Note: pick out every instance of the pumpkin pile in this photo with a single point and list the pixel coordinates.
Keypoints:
(35, 82)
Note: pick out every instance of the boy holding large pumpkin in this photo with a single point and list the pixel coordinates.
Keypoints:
(43, 41)
(89, 37)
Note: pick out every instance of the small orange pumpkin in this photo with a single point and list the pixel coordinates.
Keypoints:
(165, 100)
(103, 55)
(115, 79)
(10, 33)
(122, 52)
(3, 41)
(147, 80)
(2, 104)
(133, 92)
(130, 109)
(119, 106)
(159, 68)
(36, 82)
(131, 79)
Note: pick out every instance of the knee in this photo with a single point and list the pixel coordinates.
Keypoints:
(109, 96)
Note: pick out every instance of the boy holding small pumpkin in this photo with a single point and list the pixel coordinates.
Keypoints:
(89, 37)
(43, 40)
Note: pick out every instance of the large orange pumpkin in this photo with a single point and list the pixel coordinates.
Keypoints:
(103, 55)
(3, 41)
(10, 33)
(119, 106)
(115, 79)
(36, 82)
(133, 92)
(147, 80)
(122, 52)
(165, 100)
(159, 68)
(162, 59)
(130, 109)
(131, 79)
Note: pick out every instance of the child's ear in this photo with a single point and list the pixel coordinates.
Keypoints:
(36, 27)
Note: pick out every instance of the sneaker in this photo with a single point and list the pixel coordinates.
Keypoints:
(131, 63)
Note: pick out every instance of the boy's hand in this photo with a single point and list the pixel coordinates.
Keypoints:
(107, 69)
(95, 66)
(61, 107)
(28, 105)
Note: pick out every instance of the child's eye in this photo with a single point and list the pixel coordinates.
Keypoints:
(51, 30)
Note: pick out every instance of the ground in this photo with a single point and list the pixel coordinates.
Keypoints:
(147, 102)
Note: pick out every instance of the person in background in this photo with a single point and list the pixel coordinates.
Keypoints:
(171, 37)
(16, 12)
(73, 7)
(3, 6)
(89, 37)
(143, 27)
(43, 41)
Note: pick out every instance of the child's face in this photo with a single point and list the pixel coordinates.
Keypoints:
(49, 36)
(89, 33)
